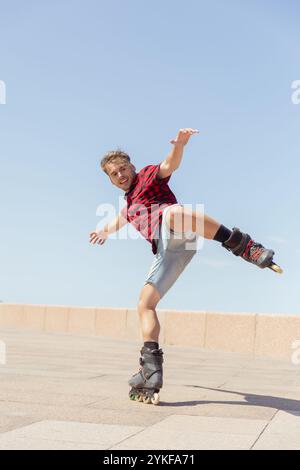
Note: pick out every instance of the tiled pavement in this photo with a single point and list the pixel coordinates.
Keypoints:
(70, 392)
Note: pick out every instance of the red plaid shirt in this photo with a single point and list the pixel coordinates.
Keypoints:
(146, 199)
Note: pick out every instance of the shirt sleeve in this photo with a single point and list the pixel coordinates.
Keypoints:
(150, 173)
(163, 180)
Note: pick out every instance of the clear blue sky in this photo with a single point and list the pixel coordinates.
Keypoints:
(84, 77)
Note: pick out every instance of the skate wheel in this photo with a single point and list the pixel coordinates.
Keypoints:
(139, 398)
(155, 399)
(147, 400)
(276, 268)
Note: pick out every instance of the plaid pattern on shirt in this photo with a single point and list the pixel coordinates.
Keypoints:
(146, 199)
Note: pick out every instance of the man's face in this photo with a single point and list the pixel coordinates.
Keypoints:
(121, 174)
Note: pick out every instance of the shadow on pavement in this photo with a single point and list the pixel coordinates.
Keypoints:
(278, 403)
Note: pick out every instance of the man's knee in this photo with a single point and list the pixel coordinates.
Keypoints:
(146, 304)
(149, 298)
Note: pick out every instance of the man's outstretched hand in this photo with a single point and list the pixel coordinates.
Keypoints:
(183, 136)
(98, 237)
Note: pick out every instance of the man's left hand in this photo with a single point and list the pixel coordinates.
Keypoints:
(183, 136)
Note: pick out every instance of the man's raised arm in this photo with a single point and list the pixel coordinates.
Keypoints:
(173, 160)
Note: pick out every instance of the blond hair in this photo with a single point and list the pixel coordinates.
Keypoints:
(112, 156)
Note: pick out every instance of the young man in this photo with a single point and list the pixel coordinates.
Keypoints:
(172, 230)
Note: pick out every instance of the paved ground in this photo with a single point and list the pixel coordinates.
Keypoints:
(68, 392)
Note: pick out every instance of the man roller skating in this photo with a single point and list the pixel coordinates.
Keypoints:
(173, 231)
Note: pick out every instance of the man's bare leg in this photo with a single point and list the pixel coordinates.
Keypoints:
(149, 298)
(182, 219)
(146, 384)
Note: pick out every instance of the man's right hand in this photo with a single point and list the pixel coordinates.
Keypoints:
(98, 237)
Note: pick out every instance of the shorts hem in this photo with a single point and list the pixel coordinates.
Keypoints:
(154, 285)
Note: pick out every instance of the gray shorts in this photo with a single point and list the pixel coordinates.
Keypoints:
(174, 252)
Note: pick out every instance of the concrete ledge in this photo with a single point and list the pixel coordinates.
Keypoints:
(232, 332)
(12, 315)
(249, 333)
(275, 335)
(184, 328)
(34, 317)
(56, 319)
(133, 331)
(82, 321)
(111, 322)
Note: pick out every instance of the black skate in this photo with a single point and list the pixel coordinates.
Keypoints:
(242, 245)
(149, 380)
